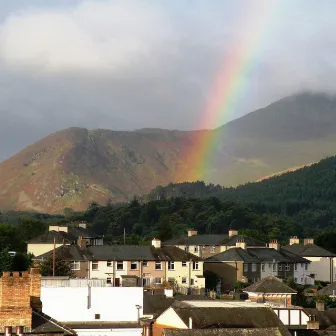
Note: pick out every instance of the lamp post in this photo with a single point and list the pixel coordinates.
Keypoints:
(138, 307)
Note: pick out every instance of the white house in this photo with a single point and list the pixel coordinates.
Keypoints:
(95, 310)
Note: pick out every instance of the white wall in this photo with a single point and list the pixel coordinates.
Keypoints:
(105, 271)
(114, 304)
(108, 332)
(302, 275)
(321, 268)
(268, 271)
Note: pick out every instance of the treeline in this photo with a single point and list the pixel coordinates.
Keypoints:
(306, 196)
(167, 218)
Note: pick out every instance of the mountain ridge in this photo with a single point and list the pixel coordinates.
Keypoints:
(76, 166)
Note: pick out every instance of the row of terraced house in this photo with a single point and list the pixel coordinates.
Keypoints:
(183, 261)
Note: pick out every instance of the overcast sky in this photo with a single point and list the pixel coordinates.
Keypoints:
(129, 64)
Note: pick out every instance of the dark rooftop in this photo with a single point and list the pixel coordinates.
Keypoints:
(270, 285)
(268, 254)
(242, 317)
(232, 255)
(224, 332)
(251, 242)
(310, 250)
(156, 304)
(329, 290)
(42, 323)
(67, 252)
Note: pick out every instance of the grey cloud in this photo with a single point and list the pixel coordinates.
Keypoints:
(132, 64)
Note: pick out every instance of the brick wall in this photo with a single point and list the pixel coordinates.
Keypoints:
(18, 293)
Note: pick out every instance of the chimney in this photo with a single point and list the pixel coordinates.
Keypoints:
(148, 329)
(8, 331)
(233, 232)
(190, 323)
(192, 232)
(19, 330)
(81, 242)
(241, 243)
(58, 228)
(320, 305)
(156, 243)
(308, 241)
(294, 240)
(274, 244)
(313, 324)
(82, 225)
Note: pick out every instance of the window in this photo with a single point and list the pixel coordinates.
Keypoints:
(192, 282)
(306, 267)
(195, 265)
(76, 266)
(184, 264)
(134, 265)
(269, 265)
(171, 265)
(158, 265)
(274, 267)
(186, 248)
(108, 280)
(97, 316)
(158, 281)
(263, 267)
(213, 249)
(254, 267)
(95, 265)
(109, 263)
(245, 267)
(295, 280)
(184, 280)
(295, 267)
(280, 267)
(196, 249)
(287, 268)
(120, 265)
(145, 264)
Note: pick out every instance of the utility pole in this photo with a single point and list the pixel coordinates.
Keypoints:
(54, 257)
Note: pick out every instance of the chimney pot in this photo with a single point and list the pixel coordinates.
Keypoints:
(19, 330)
(192, 232)
(8, 331)
(6, 274)
(233, 232)
(156, 243)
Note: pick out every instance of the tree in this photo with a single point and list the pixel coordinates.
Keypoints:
(165, 228)
(5, 261)
(62, 267)
(21, 262)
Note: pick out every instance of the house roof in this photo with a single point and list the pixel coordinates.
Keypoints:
(67, 252)
(309, 250)
(268, 254)
(60, 236)
(156, 304)
(102, 325)
(329, 290)
(224, 332)
(49, 237)
(248, 240)
(270, 285)
(213, 239)
(294, 257)
(232, 255)
(242, 317)
(326, 318)
(43, 323)
(137, 253)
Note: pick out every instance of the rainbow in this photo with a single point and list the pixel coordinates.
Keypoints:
(230, 84)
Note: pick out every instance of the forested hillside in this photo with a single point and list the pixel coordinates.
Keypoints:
(307, 195)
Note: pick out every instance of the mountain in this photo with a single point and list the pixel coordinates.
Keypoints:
(76, 166)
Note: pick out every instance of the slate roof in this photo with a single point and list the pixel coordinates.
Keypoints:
(270, 285)
(42, 323)
(137, 253)
(60, 236)
(310, 250)
(67, 252)
(232, 255)
(329, 290)
(156, 304)
(242, 317)
(268, 255)
(295, 257)
(248, 240)
(224, 332)
(207, 239)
